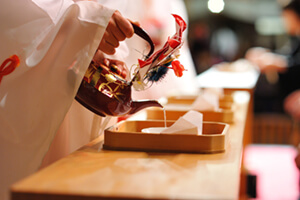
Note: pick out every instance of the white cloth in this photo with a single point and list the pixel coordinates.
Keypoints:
(55, 41)
(80, 125)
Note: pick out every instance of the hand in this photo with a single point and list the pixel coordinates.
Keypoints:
(266, 60)
(253, 54)
(272, 62)
(116, 66)
(118, 29)
(292, 104)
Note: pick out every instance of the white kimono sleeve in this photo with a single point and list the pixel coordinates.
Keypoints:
(55, 41)
(80, 125)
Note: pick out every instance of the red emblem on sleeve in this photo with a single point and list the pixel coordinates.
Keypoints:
(9, 65)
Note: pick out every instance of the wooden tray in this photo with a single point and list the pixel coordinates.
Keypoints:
(127, 135)
(225, 103)
(222, 115)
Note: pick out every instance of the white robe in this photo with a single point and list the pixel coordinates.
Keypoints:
(55, 41)
(80, 126)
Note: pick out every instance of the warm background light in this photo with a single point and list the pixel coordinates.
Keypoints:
(215, 6)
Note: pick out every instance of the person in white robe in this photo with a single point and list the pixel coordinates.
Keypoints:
(80, 125)
(46, 47)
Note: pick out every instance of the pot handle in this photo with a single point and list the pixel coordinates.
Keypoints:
(140, 32)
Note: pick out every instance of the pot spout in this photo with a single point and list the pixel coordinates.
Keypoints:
(141, 104)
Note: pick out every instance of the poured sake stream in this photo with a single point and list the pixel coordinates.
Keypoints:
(157, 130)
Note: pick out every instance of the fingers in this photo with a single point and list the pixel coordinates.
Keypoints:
(118, 29)
(124, 25)
(118, 70)
(108, 44)
(135, 22)
(118, 67)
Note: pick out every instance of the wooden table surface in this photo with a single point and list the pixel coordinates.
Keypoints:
(90, 173)
(239, 75)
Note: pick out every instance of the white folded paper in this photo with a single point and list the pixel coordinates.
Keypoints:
(214, 90)
(207, 100)
(190, 123)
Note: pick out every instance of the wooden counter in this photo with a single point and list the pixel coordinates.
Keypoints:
(242, 77)
(236, 76)
(92, 174)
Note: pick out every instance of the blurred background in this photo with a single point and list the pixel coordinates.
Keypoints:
(223, 30)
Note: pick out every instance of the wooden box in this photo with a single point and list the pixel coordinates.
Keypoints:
(127, 135)
(222, 115)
